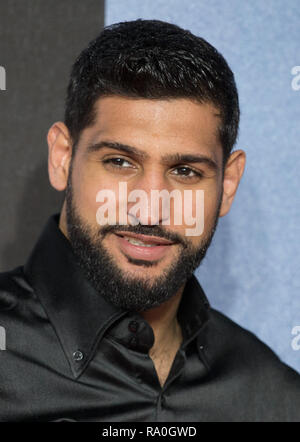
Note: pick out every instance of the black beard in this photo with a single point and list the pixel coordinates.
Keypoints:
(121, 289)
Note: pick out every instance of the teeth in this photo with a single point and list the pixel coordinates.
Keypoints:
(137, 242)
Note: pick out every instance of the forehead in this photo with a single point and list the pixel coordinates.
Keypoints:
(157, 126)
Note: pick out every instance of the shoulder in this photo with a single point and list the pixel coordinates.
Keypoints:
(245, 347)
(13, 288)
(251, 369)
(16, 296)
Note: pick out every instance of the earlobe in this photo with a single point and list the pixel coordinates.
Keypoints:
(233, 173)
(59, 155)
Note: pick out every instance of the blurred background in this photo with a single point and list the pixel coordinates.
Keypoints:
(252, 269)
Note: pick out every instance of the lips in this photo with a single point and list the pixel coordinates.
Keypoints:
(146, 239)
(143, 247)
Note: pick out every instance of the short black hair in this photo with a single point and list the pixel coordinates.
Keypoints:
(151, 59)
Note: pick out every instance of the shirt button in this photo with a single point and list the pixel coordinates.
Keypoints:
(78, 356)
(133, 326)
(133, 341)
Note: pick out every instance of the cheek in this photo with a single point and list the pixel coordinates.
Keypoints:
(211, 205)
(86, 187)
(204, 203)
(198, 209)
(204, 208)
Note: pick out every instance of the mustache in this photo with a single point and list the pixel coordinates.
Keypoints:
(150, 230)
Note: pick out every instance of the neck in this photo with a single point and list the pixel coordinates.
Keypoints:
(163, 320)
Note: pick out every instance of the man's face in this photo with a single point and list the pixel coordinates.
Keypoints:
(142, 142)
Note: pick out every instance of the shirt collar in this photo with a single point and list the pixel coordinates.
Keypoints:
(79, 315)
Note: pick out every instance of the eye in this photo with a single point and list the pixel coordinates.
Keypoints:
(186, 172)
(120, 163)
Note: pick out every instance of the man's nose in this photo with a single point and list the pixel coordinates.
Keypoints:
(146, 187)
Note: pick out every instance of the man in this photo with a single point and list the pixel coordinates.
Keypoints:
(106, 321)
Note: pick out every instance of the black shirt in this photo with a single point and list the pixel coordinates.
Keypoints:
(68, 354)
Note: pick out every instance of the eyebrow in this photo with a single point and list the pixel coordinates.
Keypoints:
(166, 159)
(118, 146)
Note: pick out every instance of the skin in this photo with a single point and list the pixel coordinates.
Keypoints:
(156, 128)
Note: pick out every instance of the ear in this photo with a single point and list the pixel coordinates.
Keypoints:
(233, 173)
(59, 155)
